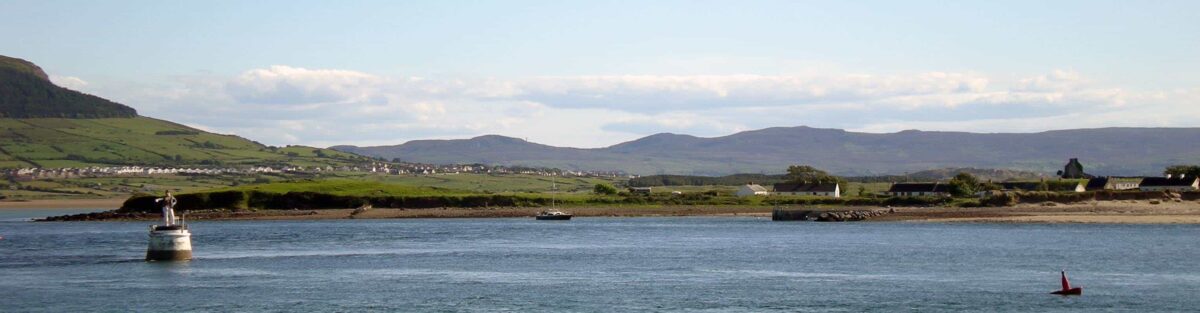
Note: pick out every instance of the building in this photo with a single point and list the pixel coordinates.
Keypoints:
(1179, 183)
(1059, 186)
(809, 189)
(1113, 183)
(919, 190)
(1073, 170)
(752, 190)
(640, 190)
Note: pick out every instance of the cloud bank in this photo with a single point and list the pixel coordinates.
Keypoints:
(293, 105)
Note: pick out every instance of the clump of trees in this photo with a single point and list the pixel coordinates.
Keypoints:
(604, 189)
(809, 174)
(964, 185)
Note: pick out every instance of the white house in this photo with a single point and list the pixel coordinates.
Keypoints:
(752, 190)
(809, 189)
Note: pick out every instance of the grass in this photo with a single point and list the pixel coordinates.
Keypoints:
(57, 142)
(344, 187)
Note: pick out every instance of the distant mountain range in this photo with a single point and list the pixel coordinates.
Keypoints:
(1103, 151)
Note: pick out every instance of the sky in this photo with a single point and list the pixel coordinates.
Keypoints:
(596, 73)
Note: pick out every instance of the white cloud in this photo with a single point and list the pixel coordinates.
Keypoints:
(292, 105)
(69, 82)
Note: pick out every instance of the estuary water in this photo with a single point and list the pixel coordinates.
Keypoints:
(706, 264)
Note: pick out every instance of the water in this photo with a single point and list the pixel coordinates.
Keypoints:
(721, 264)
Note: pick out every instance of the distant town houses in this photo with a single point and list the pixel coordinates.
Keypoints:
(383, 168)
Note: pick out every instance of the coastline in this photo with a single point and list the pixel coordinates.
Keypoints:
(1102, 212)
(58, 204)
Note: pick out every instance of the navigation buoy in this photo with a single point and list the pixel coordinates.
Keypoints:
(170, 241)
(1066, 287)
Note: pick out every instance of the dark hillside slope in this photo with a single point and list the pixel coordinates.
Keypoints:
(26, 92)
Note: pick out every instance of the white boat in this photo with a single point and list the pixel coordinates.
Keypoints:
(553, 215)
(170, 241)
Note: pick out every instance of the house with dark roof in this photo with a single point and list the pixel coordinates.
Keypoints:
(1058, 186)
(1179, 183)
(919, 189)
(809, 189)
(1113, 183)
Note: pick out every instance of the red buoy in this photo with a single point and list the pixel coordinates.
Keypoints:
(1066, 287)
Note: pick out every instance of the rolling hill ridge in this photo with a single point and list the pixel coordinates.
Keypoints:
(1104, 151)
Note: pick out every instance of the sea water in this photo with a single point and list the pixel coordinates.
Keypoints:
(708, 264)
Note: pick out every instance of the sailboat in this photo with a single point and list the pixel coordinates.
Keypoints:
(553, 214)
(1067, 290)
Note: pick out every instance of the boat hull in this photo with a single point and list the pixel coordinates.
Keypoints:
(553, 217)
(169, 245)
(1069, 292)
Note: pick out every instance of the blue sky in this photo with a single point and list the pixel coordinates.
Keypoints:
(592, 73)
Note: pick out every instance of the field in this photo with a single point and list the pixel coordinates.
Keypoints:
(58, 143)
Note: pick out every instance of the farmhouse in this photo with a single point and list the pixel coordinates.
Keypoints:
(1113, 183)
(1061, 186)
(808, 189)
(1178, 183)
(752, 190)
(919, 189)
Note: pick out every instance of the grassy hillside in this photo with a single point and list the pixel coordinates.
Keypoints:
(59, 142)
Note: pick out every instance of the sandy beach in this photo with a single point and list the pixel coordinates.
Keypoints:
(113, 203)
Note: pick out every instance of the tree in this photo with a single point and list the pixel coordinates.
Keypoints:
(963, 185)
(809, 174)
(604, 189)
(1187, 170)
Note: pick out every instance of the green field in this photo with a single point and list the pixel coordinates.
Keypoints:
(57, 143)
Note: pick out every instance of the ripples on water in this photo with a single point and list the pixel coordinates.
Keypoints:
(601, 264)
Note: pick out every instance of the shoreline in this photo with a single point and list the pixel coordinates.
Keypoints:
(1103, 212)
(59, 204)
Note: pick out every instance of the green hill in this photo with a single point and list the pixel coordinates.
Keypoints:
(26, 92)
(61, 142)
(43, 125)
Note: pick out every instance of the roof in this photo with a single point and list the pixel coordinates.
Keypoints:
(1052, 185)
(1097, 183)
(1168, 182)
(919, 187)
(805, 187)
(755, 187)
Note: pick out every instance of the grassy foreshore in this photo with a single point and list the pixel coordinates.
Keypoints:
(1110, 212)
